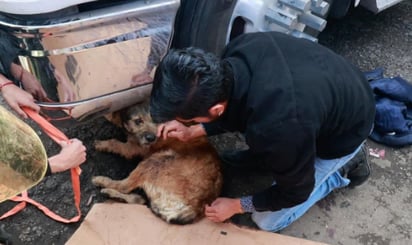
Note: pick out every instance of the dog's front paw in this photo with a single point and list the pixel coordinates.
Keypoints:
(101, 145)
(101, 181)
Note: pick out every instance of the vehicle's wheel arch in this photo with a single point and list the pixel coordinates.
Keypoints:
(211, 24)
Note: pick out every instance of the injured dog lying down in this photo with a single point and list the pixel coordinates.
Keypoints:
(178, 178)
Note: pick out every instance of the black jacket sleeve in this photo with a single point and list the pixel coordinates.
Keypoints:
(213, 128)
(289, 153)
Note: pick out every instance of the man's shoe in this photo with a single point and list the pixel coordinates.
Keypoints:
(358, 169)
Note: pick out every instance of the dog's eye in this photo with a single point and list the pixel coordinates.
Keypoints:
(138, 121)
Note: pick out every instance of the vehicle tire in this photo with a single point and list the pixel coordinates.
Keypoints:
(339, 8)
(211, 24)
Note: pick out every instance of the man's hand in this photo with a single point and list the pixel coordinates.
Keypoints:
(71, 155)
(17, 98)
(32, 86)
(222, 209)
(176, 129)
(29, 81)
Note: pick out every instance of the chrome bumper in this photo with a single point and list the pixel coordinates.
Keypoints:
(94, 62)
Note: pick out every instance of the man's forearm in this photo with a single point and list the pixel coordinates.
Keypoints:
(3, 79)
(4, 82)
(16, 71)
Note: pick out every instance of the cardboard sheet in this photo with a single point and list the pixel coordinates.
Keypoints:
(124, 224)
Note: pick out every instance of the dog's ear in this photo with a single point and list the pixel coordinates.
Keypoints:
(145, 106)
(115, 118)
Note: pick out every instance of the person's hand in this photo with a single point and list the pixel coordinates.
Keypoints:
(174, 129)
(222, 209)
(70, 156)
(18, 98)
(33, 86)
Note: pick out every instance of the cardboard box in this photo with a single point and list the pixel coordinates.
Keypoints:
(123, 224)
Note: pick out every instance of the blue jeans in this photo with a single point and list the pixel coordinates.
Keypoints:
(327, 178)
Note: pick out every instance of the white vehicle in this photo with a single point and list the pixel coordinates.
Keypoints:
(95, 57)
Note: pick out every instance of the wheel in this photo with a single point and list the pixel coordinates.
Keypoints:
(339, 8)
(210, 25)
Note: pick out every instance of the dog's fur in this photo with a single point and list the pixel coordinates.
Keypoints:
(178, 178)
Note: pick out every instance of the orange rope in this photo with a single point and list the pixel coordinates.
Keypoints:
(57, 136)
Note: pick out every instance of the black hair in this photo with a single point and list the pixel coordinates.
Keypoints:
(187, 83)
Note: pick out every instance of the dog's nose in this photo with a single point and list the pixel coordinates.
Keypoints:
(150, 137)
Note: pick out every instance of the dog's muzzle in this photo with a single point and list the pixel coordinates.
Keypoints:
(150, 137)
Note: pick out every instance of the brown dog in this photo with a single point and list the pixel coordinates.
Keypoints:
(178, 178)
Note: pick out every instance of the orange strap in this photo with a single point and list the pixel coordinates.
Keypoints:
(57, 136)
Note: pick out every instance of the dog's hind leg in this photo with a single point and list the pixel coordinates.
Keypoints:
(126, 149)
(145, 170)
(129, 198)
(124, 186)
(106, 182)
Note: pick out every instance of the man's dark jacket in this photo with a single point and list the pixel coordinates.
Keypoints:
(294, 100)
